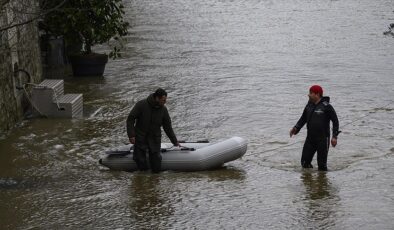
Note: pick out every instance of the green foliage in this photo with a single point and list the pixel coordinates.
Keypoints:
(87, 22)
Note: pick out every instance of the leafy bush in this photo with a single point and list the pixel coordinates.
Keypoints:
(87, 22)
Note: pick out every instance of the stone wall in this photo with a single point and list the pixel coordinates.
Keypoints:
(19, 50)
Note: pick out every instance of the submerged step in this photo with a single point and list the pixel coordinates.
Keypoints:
(54, 85)
(71, 105)
(48, 99)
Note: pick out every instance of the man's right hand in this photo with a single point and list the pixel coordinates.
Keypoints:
(334, 142)
(293, 131)
(132, 140)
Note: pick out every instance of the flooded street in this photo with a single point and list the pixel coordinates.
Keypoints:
(232, 68)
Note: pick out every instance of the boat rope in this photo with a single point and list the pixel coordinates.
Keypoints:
(351, 122)
(346, 124)
(45, 87)
(280, 147)
(31, 102)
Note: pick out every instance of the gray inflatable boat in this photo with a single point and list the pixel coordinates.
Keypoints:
(190, 157)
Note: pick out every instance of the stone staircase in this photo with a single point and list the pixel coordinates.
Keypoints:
(49, 100)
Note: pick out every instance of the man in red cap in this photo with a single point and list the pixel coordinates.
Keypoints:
(317, 116)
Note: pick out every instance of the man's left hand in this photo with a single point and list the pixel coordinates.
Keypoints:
(334, 142)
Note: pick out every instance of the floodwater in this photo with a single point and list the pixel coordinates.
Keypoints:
(232, 68)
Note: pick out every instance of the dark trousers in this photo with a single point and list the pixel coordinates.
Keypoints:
(311, 146)
(139, 156)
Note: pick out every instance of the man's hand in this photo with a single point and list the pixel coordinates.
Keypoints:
(293, 131)
(132, 140)
(334, 142)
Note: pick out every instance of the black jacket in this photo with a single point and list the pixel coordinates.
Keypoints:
(145, 120)
(317, 119)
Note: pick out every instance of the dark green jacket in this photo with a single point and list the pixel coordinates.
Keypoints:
(145, 120)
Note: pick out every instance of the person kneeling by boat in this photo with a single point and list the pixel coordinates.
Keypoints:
(144, 129)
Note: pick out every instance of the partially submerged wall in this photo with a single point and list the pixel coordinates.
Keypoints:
(19, 55)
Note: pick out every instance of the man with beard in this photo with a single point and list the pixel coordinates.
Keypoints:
(144, 130)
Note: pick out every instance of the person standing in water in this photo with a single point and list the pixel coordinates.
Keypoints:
(144, 130)
(317, 116)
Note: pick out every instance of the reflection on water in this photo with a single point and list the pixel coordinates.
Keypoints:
(221, 174)
(316, 184)
(153, 198)
(320, 198)
(149, 205)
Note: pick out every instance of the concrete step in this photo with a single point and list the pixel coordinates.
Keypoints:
(49, 99)
(54, 85)
(72, 105)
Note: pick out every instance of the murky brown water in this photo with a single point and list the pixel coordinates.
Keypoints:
(232, 68)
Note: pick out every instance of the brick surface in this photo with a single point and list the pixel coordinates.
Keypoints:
(21, 47)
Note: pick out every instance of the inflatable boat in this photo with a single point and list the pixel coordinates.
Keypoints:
(194, 156)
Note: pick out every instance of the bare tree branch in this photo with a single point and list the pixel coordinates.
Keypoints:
(4, 2)
(39, 15)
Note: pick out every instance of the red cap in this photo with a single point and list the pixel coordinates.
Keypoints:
(317, 89)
